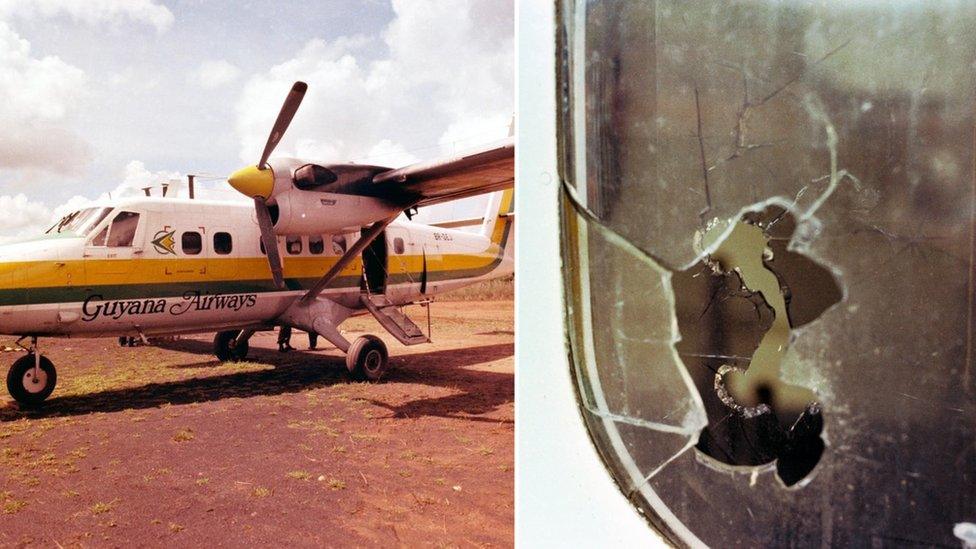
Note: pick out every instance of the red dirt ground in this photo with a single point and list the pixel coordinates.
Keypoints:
(163, 445)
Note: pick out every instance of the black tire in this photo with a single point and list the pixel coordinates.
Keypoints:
(226, 349)
(26, 388)
(367, 358)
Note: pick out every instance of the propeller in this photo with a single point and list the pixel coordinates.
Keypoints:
(281, 124)
(269, 241)
(258, 181)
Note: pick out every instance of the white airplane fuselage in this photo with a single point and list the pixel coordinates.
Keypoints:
(197, 266)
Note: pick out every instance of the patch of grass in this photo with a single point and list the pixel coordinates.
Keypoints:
(12, 506)
(260, 492)
(70, 494)
(175, 528)
(100, 508)
(183, 435)
(486, 451)
(203, 481)
(300, 475)
(319, 425)
(336, 484)
(424, 500)
(339, 449)
(491, 290)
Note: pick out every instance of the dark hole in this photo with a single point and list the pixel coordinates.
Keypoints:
(764, 394)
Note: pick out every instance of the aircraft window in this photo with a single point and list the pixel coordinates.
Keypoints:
(316, 245)
(192, 243)
(339, 244)
(398, 245)
(293, 244)
(123, 230)
(223, 243)
(80, 222)
(310, 176)
(101, 237)
(767, 250)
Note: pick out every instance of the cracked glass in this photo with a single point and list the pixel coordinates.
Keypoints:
(768, 234)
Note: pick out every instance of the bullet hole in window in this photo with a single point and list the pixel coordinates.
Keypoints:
(736, 311)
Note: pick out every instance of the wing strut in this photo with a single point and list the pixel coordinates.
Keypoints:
(370, 235)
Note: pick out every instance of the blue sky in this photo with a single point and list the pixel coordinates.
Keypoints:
(125, 92)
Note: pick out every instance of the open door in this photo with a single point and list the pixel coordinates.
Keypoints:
(375, 266)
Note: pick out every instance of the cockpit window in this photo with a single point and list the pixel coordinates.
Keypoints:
(311, 176)
(123, 230)
(80, 222)
(120, 233)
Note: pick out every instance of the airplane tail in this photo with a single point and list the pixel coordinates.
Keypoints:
(499, 214)
(499, 227)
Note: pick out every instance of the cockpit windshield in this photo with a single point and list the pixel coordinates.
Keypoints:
(80, 222)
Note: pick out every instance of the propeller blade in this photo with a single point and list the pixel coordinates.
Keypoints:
(287, 112)
(269, 241)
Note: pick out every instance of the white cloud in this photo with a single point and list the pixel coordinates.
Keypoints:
(213, 74)
(92, 11)
(137, 177)
(22, 215)
(448, 75)
(39, 96)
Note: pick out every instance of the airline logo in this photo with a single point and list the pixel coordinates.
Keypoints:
(164, 242)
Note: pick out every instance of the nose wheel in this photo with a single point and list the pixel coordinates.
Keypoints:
(31, 379)
(367, 358)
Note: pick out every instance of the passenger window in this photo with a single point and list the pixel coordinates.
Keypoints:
(223, 243)
(339, 244)
(100, 238)
(123, 230)
(316, 245)
(192, 243)
(293, 244)
(398, 245)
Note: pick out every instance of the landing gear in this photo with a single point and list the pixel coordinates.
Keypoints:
(31, 379)
(367, 358)
(229, 346)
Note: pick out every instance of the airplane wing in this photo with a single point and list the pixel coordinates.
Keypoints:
(480, 171)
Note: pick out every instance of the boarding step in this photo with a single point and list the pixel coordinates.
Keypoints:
(391, 318)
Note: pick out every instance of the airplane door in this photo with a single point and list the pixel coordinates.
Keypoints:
(405, 262)
(109, 255)
(375, 266)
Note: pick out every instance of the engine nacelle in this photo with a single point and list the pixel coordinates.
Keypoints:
(297, 212)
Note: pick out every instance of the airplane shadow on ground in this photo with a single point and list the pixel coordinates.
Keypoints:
(481, 391)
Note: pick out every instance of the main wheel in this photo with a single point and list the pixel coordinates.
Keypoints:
(227, 348)
(367, 358)
(28, 385)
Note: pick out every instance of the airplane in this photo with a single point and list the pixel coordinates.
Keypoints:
(321, 242)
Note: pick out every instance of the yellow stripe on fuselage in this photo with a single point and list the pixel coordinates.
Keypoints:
(101, 272)
(18, 275)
